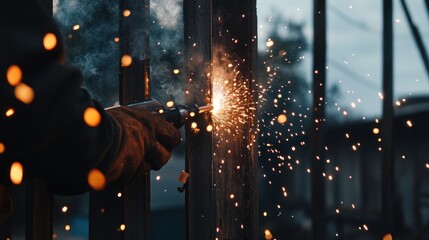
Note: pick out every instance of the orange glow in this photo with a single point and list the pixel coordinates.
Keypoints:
(388, 237)
(209, 128)
(126, 13)
(282, 118)
(194, 125)
(92, 117)
(176, 71)
(192, 114)
(116, 39)
(126, 60)
(268, 234)
(67, 227)
(76, 27)
(10, 112)
(2, 148)
(16, 173)
(96, 179)
(122, 227)
(24, 93)
(376, 131)
(49, 41)
(14, 75)
(170, 104)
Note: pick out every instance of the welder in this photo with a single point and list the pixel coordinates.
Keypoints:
(52, 127)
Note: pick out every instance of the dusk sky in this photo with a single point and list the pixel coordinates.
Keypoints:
(354, 48)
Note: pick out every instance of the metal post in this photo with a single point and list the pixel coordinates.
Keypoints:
(39, 199)
(108, 212)
(318, 199)
(235, 166)
(199, 193)
(388, 161)
(222, 197)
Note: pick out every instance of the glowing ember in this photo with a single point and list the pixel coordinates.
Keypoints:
(170, 104)
(409, 123)
(92, 117)
(10, 112)
(76, 27)
(2, 148)
(269, 43)
(14, 75)
(49, 41)
(176, 71)
(126, 13)
(64, 209)
(158, 178)
(268, 234)
(96, 179)
(194, 125)
(282, 119)
(376, 131)
(16, 173)
(192, 114)
(126, 60)
(119, 194)
(116, 39)
(24, 93)
(209, 128)
(122, 227)
(388, 237)
(67, 227)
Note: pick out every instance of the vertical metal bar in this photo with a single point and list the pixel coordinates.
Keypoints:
(38, 219)
(133, 209)
(388, 161)
(318, 199)
(199, 193)
(211, 212)
(39, 199)
(235, 167)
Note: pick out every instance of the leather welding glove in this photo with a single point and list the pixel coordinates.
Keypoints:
(146, 140)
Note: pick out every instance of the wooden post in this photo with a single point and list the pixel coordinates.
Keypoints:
(318, 198)
(222, 200)
(388, 160)
(108, 212)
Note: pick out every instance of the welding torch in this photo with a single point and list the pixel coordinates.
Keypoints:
(176, 115)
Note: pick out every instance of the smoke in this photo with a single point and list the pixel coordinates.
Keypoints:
(89, 28)
(167, 12)
(167, 44)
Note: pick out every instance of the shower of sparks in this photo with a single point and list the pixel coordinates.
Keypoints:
(232, 105)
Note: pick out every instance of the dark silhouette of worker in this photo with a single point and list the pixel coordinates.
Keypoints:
(52, 127)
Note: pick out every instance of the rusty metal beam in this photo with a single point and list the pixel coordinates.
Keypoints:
(318, 198)
(222, 200)
(107, 211)
(199, 193)
(235, 166)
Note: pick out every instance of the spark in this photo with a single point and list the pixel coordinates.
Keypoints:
(16, 173)
(2, 148)
(14, 75)
(50, 41)
(126, 60)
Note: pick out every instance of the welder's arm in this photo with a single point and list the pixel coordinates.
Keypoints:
(48, 134)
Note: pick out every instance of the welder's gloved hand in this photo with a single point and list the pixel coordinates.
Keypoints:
(146, 139)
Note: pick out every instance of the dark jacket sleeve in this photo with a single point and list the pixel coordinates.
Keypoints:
(48, 134)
